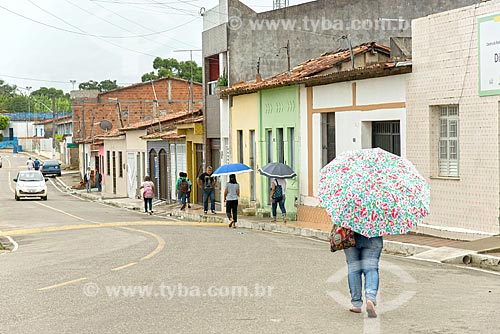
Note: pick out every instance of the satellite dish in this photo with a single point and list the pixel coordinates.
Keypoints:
(148, 118)
(106, 125)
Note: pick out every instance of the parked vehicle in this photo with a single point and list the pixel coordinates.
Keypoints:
(30, 183)
(51, 167)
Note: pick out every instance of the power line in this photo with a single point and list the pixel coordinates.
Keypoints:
(82, 33)
(143, 26)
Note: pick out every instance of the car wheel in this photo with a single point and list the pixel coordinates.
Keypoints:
(44, 198)
(59, 174)
(16, 197)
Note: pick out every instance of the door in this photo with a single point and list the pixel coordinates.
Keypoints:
(199, 170)
(131, 175)
(113, 166)
(386, 136)
(153, 167)
(163, 175)
(253, 195)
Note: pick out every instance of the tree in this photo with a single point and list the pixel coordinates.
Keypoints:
(6, 89)
(4, 122)
(103, 86)
(170, 67)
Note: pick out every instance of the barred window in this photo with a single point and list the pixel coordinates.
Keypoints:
(120, 161)
(108, 163)
(448, 141)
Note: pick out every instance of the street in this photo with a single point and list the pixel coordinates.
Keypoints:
(84, 267)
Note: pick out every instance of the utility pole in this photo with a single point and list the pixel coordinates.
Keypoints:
(54, 113)
(349, 45)
(191, 94)
(73, 82)
(28, 88)
(287, 47)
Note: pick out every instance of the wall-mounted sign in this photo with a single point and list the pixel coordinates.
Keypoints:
(489, 55)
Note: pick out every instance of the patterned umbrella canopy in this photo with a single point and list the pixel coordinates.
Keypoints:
(374, 192)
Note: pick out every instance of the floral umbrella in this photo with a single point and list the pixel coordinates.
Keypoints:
(374, 192)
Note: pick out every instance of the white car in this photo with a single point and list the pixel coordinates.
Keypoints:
(30, 183)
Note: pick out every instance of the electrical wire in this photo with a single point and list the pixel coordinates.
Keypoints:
(82, 33)
(143, 26)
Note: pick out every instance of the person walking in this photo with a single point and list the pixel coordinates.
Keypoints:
(363, 259)
(98, 177)
(231, 195)
(188, 195)
(277, 197)
(86, 179)
(30, 163)
(148, 193)
(182, 187)
(207, 183)
(36, 164)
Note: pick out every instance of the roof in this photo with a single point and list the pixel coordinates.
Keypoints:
(111, 134)
(171, 134)
(308, 69)
(169, 118)
(146, 83)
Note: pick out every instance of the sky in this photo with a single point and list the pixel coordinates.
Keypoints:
(86, 40)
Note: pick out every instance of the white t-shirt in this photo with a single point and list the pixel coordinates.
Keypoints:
(29, 163)
(232, 189)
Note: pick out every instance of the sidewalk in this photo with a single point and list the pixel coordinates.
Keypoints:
(482, 253)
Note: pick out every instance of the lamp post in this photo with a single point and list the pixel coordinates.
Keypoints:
(73, 82)
(28, 88)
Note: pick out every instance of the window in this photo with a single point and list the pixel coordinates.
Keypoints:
(269, 145)
(281, 145)
(120, 164)
(328, 137)
(108, 163)
(448, 141)
(291, 147)
(240, 145)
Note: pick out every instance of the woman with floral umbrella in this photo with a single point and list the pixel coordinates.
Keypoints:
(373, 193)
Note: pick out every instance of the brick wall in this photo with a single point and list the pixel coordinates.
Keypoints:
(172, 96)
(445, 71)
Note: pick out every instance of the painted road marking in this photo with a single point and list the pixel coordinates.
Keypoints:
(159, 248)
(38, 230)
(125, 266)
(65, 213)
(63, 284)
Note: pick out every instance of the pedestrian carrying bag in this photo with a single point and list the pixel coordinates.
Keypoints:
(148, 191)
(341, 238)
(278, 192)
(184, 186)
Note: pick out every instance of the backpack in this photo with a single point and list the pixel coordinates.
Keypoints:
(148, 191)
(278, 192)
(184, 186)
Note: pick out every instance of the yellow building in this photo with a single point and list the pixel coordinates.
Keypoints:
(244, 120)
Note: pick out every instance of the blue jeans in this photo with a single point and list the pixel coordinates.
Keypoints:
(363, 259)
(208, 193)
(275, 204)
(183, 197)
(148, 202)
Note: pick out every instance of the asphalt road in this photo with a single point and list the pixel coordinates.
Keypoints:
(83, 267)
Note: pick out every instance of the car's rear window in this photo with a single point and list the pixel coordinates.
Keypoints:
(50, 162)
(30, 177)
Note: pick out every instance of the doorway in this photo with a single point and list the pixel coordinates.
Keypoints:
(386, 135)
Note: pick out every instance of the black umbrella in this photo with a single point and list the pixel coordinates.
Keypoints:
(277, 170)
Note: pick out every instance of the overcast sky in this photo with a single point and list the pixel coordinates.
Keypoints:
(85, 50)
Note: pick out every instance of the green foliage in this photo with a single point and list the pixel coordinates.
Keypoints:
(171, 67)
(222, 81)
(4, 122)
(48, 92)
(41, 100)
(1, 139)
(103, 86)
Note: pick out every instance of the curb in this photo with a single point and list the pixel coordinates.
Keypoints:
(472, 259)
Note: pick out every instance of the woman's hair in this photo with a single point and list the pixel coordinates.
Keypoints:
(147, 178)
(232, 178)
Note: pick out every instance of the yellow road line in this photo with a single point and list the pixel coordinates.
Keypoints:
(125, 266)
(159, 248)
(29, 231)
(62, 284)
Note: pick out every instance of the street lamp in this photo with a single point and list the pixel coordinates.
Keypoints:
(73, 82)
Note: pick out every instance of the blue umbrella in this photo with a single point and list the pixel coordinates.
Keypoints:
(235, 168)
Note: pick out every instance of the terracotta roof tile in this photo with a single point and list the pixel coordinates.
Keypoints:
(169, 118)
(172, 134)
(307, 69)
